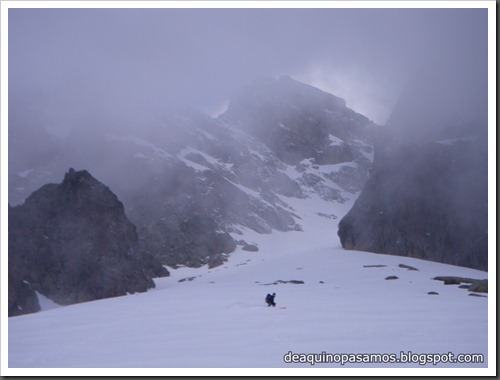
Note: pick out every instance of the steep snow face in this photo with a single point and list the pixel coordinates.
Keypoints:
(217, 318)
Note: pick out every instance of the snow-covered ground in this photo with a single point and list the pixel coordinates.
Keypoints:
(217, 318)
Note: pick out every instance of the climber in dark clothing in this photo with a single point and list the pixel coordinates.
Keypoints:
(270, 299)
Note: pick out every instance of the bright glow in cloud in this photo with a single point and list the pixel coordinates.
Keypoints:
(218, 109)
(362, 92)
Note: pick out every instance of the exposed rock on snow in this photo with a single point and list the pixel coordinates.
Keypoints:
(407, 267)
(250, 248)
(479, 286)
(392, 278)
(296, 282)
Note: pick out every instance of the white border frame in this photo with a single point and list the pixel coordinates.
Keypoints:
(491, 370)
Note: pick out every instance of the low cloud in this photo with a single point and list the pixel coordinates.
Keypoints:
(363, 93)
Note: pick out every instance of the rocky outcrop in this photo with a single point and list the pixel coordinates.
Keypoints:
(427, 201)
(473, 285)
(72, 242)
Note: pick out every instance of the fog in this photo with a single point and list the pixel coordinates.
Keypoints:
(114, 65)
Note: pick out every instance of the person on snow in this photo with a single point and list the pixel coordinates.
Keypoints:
(270, 299)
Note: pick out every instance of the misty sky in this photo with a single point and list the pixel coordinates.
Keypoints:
(115, 61)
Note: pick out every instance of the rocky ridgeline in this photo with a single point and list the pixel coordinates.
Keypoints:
(72, 243)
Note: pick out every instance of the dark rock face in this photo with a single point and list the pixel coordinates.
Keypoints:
(250, 248)
(427, 201)
(296, 120)
(72, 242)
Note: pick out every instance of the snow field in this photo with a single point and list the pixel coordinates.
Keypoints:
(217, 318)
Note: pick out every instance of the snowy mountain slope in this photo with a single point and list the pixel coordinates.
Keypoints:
(217, 318)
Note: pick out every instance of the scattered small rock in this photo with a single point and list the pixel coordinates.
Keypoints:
(477, 295)
(452, 280)
(392, 278)
(187, 279)
(298, 227)
(250, 248)
(374, 266)
(407, 267)
(285, 282)
(328, 216)
(321, 282)
(433, 293)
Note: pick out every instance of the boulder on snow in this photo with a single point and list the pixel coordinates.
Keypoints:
(453, 280)
(187, 279)
(479, 286)
(250, 248)
(296, 282)
(404, 266)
